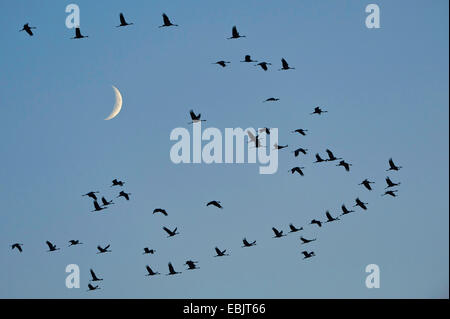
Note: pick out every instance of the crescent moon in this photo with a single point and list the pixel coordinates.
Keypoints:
(117, 105)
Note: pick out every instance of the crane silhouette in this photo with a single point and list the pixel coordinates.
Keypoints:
(171, 232)
(278, 233)
(97, 207)
(318, 111)
(331, 156)
(104, 250)
(279, 147)
(91, 287)
(124, 195)
(247, 244)
(172, 270)
(28, 29)
(319, 159)
(222, 63)
(215, 203)
(151, 272)
(116, 182)
(220, 253)
(330, 218)
(298, 170)
(360, 204)
(285, 65)
(392, 166)
(123, 22)
(254, 139)
(78, 34)
(263, 65)
(345, 211)
(306, 241)
(390, 193)
(345, 165)
(91, 195)
(74, 242)
(300, 131)
(271, 99)
(191, 264)
(316, 222)
(294, 229)
(51, 247)
(160, 210)
(308, 254)
(17, 246)
(300, 150)
(195, 118)
(248, 59)
(390, 183)
(148, 251)
(235, 34)
(166, 22)
(107, 203)
(94, 276)
(366, 183)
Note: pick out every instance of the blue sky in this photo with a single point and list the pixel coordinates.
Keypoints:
(386, 91)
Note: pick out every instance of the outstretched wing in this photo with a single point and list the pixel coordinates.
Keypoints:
(167, 230)
(193, 116)
(171, 269)
(284, 63)
(330, 153)
(218, 251)
(94, 277)
(251, 136)
(329, 215)
(235, 32)
(166, 19)
(122, 19)
(49, 244)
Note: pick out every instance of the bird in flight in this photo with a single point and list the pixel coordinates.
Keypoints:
(171, 232)
(78, 34)
(74, 242)
(151, 272)
(307, 255)
(390, 193)
(264, 130)
(94, 276)
(148, 251)
(366, 183)
(305, 241)
(172, 270)
(278, 233)
(318, 111)
(106, 203)
(160, 210)
(254, 139)
(392, 166)
(360, 204)
(294, 229)
(300, 150)
(17, 246)
(235, 34)
(215, 203)
(27, 29)
(91, 287)
(345, 165)
(263, 65)
(195, 118)
(123, 22)
(247, 244)
(319, 159)
(103, 250)
(300, 131)
(248, 59)
(91, 195)
(125, 195)
(298, 170)
(345, 211)
(317, 222)
(330, 218)
(191, 264)
(271, 99)
(167, 22)
(220, 253)
(97, 207)
(331, 156)
(285, 65)
(279, 147)
(51, 247)
(116, 182)
(390, 183)
(222, 63)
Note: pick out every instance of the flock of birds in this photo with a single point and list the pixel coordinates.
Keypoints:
(196, 118)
